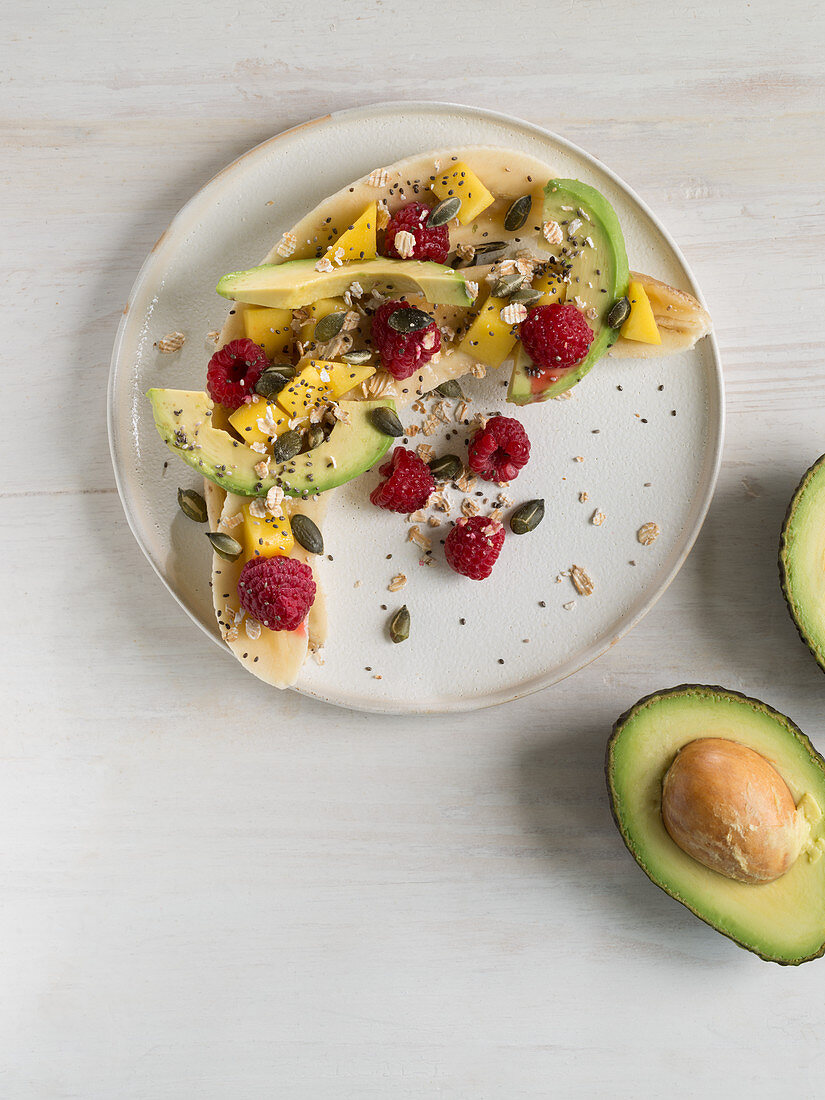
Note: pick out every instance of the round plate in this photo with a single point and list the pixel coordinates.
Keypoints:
(639, 441)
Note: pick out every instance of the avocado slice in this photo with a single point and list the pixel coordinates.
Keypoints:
(182, 417)
(802, 559)
(297, 282)
(781, 921)
(597, 274)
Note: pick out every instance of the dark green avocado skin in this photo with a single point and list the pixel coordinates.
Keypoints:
(784, 547)
(617, 728)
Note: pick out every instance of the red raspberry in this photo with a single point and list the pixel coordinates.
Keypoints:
(233, 372)
(499, 449)
(402, 354)
(430, 244)
(473, 546)
(556, 337)
(278, 592)
(408, 485)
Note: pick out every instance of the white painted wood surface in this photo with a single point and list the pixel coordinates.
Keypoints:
(209, 890)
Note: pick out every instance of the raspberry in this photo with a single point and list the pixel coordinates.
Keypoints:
(556, 337)
(278, 592)
(430, 244)
(408, 485)
(233, 372)
(403, 353)
(473, 546)
(499, 449)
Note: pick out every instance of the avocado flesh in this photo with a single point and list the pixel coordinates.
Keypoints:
(183, 419)
(297, 283)
(607, 256)
(802, 559)
(781, 921)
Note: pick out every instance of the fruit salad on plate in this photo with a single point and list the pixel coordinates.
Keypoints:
(364, 316)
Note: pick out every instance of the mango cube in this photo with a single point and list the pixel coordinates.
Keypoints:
(641, 324)
(305, 392)
(322, 308)
(553, 290)
(266, 537)
(489, 339)
(358, 240)
(245, 421)
(271, 328)
(462, 181)
(340, 377)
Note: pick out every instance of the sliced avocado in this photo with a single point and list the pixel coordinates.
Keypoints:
(183, 419)
(781, 921)
(297, 282)
(802, 559)
(596, 273)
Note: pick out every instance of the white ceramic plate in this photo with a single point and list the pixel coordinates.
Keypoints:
(639, 462)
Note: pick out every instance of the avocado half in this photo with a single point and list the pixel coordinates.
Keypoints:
(781, 921)
(802, 559)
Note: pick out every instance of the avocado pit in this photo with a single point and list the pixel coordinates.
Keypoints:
(727, 807)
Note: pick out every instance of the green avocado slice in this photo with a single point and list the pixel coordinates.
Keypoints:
(598, 274)
(297, 282)
(182, 417)
(781, 921)
(802, 559)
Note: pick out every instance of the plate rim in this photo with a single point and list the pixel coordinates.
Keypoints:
(596, 649)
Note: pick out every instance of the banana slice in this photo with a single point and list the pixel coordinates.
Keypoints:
(680, 318)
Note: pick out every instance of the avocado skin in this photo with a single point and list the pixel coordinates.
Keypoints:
(716, 689)
(785, 548)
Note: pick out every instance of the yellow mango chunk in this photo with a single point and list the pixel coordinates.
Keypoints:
(322, 308)
(270, 328)
(306, 391)
(357, 240)
(552, 290)
(462, 181)
(489, 339)
(266, 537)
(641, 324)
(245, 421)
(340, 377)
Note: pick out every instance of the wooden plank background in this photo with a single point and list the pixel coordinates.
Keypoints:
(209, 890)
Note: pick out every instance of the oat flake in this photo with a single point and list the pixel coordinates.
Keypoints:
(173, 341)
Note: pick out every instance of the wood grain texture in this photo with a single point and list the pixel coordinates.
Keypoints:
(209, 890)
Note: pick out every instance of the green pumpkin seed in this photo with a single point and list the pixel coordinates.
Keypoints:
(273, 380)
(328, 327)
(224, 545)
(287, 446)
(507, 285)
(527, 517)
(446, 467)
(619, 313)
(192, 505)
(409, 320)
(489, 246)
(400, 625)
(315, 436)
(307, 534)
(360, 355)
(526, 296)
(444, 212)
(450, 388)
(386, 420)
(518, 213)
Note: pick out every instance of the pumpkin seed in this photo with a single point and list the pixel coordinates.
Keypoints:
(224, 545)
(507, 285)
(527, 296)
(409, 320)
(444, 212)
(286, 446)
(386, 420)
(273, 379)
(527, 517)
(619, 313)
(315, 436)
(360, 355)
(400, 625)
(192, 505)
(450, 388)
(518, 213)
(446, 467)
(489, 246)
(328, 327)
(307, 534)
